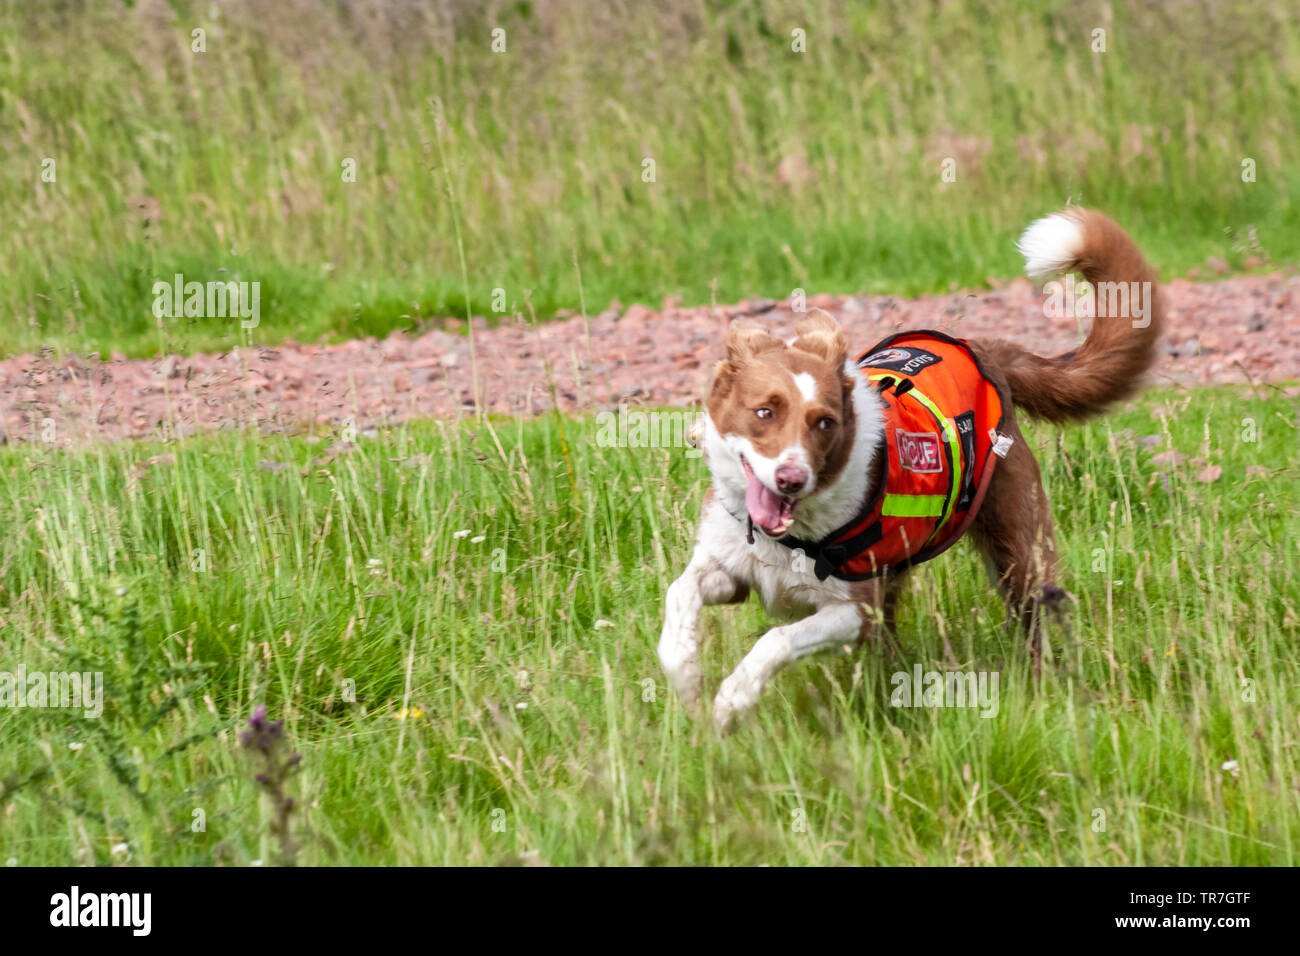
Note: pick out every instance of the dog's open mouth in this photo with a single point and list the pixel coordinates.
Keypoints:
(769, 511)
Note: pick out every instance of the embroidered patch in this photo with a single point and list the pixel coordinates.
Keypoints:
(907, 361)
(919, 451)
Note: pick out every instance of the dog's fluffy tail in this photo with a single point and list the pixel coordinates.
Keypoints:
(1121, 347)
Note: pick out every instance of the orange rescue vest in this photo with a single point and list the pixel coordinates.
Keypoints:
(942, 435)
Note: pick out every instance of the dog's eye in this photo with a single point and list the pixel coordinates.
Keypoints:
(826, 424)
(763, 412)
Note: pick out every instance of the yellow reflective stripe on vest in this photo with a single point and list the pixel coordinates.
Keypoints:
(950, 436)
(913, 506)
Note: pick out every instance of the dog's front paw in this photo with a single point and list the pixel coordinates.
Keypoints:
(736, 697)
(683, 672)
(688, 682)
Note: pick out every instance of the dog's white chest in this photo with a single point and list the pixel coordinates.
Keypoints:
(782, 578)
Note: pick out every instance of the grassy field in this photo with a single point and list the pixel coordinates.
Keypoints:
(376, 165)
(492, 591)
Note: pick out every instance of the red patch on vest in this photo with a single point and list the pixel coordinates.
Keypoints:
(919, 451)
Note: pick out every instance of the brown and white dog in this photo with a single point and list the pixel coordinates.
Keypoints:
(793, 435)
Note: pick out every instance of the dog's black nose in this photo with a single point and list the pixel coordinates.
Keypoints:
(790, 479)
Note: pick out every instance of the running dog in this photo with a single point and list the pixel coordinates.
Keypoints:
(832, 476)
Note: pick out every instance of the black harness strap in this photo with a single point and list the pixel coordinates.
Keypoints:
(829, 558)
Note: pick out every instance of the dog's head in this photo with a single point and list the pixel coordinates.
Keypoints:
(781, 417)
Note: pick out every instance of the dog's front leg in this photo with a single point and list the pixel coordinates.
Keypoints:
(831, 626)
(703, 582)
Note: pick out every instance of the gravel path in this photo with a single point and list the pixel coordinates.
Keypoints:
(1243, 329)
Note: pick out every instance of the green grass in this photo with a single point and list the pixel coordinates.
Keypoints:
(522, 171)
(534, 733)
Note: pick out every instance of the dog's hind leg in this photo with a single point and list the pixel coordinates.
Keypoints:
(704, 582)
(1014, 532)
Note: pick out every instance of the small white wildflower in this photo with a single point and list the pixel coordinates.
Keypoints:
(636, 490)
(522, 705)
(121, 591)
(601, 622)
(76, 746)
(478, 539)
(462, 534)
(1232, 767)
(118, 849)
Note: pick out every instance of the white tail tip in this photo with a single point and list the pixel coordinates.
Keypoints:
(1051, 245)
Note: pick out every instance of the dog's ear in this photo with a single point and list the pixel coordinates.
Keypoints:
(724, 376)
(821, 335)
(746, 340)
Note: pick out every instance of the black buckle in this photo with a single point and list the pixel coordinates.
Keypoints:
(829, 559)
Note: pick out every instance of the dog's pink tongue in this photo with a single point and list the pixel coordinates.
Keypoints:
(764, 506)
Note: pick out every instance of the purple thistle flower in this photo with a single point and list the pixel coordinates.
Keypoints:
(264, 736)
(261, 733)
